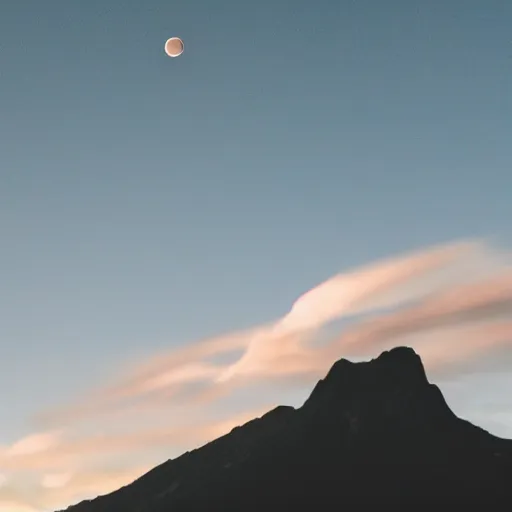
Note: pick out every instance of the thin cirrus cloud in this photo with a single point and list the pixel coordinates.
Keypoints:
(56, 490)
(67, 449)
(35, 443)
(15, 505)
(281, 347)
(69, 469)
(475, 315)
(452, 303)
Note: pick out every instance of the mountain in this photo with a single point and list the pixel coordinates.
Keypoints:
(371, 433)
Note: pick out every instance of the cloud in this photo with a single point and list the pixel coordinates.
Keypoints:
(68, 451)
(279, 348)
(34, 443)
(169, 372)
(56, 480)
(16, 506)
(72, 487)
(383, 285)
(14, 500)
(86, 478)
(458, 344)
(452, 303)
(83, 485)
(479, 307)
(380, 285)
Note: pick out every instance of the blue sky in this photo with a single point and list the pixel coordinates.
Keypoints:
(147, 202)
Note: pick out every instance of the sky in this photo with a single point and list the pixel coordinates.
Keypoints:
(147, 203)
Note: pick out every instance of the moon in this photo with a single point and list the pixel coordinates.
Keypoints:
(174, 47)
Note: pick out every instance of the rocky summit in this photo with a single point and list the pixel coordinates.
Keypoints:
(370, 434)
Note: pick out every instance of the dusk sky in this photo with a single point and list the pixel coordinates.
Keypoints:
(147, 203)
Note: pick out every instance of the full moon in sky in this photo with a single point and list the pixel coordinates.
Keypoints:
(174, 47)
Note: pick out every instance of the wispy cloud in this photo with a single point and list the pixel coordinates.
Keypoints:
(33, 444)
(450, 302)
(280, 347)
(69, 469)
(69, 450)
(54, 491)
(12, 505)
(481, 307)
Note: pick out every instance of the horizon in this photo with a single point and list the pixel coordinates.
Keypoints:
(303, 183)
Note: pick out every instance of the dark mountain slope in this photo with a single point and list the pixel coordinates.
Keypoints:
(374, 433)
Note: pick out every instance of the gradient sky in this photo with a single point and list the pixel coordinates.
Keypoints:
(146, 202)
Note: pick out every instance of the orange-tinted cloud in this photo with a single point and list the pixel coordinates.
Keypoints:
(451, 303)
(68, 450)
(281, 347)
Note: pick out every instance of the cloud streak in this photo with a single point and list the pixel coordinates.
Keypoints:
(69, 471)
(280, 347)
(66, 450)
(452, 303)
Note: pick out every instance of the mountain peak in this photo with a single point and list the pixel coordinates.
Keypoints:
(403, 362)
(398, 369)
(370, 433)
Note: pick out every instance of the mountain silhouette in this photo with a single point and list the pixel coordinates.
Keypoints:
(370, 434)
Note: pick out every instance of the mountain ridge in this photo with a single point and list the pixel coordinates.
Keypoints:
(378, 425)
